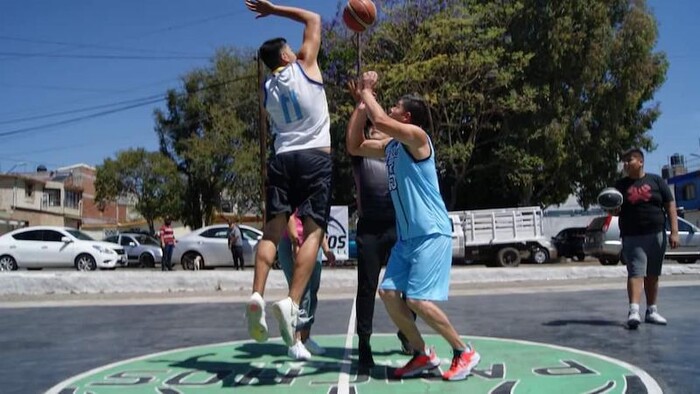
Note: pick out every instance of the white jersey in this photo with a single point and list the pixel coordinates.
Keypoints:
(298, 110)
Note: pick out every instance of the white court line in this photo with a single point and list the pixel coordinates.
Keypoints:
(344, 377)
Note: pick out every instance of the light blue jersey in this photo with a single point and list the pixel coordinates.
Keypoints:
(413, 184)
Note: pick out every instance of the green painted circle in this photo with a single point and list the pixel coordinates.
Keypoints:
(507, 366)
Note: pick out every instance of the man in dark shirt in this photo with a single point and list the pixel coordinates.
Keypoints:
(376, 235)
(647, 203)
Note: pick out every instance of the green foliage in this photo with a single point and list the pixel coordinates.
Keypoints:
(210, 131)
(531, 100)
(150, 178)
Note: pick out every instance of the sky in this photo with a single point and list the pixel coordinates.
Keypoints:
(65, 60)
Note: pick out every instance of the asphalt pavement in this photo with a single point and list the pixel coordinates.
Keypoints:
(45, 342)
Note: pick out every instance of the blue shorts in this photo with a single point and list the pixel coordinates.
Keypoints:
(420, 268)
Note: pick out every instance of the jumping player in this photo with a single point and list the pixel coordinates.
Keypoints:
(299, 175)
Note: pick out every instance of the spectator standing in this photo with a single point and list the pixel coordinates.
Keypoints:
(235, 244)
(167, 243)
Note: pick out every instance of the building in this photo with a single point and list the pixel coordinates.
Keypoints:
(684, 185)
(64, 197)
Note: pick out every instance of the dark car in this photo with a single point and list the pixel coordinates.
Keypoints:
(569, 243)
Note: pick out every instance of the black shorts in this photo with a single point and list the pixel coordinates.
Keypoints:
(300, 180)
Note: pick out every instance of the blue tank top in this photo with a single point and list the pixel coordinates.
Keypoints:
(415, 192)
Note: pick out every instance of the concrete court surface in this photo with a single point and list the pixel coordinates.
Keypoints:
(42, 346)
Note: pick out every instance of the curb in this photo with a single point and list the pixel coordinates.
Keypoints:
(116, 282)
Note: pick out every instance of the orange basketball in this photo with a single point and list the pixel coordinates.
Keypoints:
(358, 15)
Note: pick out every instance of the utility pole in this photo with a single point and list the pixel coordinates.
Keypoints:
(262, 121)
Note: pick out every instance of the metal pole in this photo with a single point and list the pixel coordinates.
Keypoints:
(262, 122)
(359, 54)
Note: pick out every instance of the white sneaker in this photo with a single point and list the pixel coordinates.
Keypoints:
(653, 317)
(313, 347)
(299, 351)
(255, 314)
(633, 320)
(286, 314)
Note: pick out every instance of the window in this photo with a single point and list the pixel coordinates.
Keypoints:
(125, 241)
(73, 199)
(52, 197)
(79, 235)
(689, 191)
(33, 235)
(52, 236)
(217, 232)
(249, 235)
(113, 239)
(29, 190)
(685, 227)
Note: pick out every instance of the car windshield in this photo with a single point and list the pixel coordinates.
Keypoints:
(80, 235)
(146, 240)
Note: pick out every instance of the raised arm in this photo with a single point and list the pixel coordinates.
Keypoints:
(308, 54)
(355, 141)
(414, 137)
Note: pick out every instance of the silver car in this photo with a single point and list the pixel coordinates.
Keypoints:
(141, 250)
(210, 244)
(603, 241)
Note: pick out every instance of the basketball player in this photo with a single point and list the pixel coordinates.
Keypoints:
(420, 261)
(299, 175)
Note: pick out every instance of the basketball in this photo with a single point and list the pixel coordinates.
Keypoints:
(358, 15)
(610, 198)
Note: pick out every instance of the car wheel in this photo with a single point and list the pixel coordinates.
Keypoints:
(608, 261)
(580, 257)
(508, 257)
(540, 255)
(188, 261)
(8, 263)
(146, 261)
(85, 262)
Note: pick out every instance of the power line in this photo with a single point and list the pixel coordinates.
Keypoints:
(101, 57)
(82, 45)
(133, 89)
(54, 114)
(156, 31)
(135, 103)
(78, 119)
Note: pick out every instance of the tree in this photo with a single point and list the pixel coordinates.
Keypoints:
(148, 177)
(531, 100)
(210, 131)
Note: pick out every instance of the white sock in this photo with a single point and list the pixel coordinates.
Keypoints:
(651, 308)
(634, 308)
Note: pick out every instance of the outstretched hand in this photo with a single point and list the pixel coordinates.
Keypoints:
(262, 7)
(354, 91)
(369, 80)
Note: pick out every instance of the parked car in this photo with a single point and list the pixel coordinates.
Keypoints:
(141, 250)
(48, 247)
(603, 241)
(569, 243)
(211, 245)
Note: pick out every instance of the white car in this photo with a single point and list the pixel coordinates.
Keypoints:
(211, 245)
(49, 247)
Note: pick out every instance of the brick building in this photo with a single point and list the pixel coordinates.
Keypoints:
(64, 197)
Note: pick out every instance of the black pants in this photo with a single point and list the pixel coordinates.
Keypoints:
(237, 254)
(374, 242)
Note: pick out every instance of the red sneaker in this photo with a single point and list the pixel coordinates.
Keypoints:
(462, 366)
(418, 364)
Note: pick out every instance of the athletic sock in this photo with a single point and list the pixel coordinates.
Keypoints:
(634, 308)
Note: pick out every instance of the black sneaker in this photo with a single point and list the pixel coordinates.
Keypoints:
(406, 347)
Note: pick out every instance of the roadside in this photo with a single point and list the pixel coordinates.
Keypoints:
(341, 284)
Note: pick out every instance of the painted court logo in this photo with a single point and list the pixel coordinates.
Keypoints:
(506, 367)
